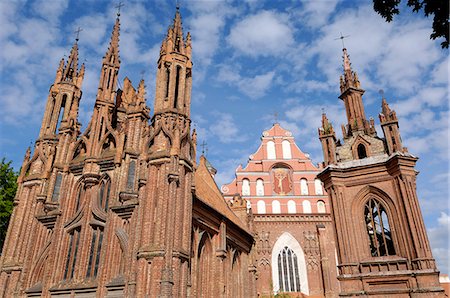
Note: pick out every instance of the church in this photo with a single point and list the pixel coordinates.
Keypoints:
(126, 208)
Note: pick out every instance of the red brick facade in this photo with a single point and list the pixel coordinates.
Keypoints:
(123, 209)
(291, 210)
(382, 245)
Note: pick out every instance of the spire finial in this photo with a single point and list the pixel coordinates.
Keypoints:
(177, 4)
(381, 91)
(342, 39)
(77, 32)
(119, 6)
(204, 146)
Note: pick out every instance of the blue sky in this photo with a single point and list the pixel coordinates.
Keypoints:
(252, 59)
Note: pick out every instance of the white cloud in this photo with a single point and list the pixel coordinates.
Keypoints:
(253, 86)
(315, 13)
(263, 34)
(440, 241)
(226, 129)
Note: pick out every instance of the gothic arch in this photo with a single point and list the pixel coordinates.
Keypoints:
(360, 141)
(287, 240)
(358, 206)
(39, 265)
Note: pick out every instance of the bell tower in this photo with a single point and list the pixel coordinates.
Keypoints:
(382, 245)
(61, 111)
(164, 252)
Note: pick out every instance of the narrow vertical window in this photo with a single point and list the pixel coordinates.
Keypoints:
(286, 146)
(304, 187)
(271, 154)
(95, 251)
(318, 187)
(245, 187)
(56, 189)
(292, 208)
(276, 206)
(74, 239)
(61, 112)
(103, 195)
(321, 207)
(80, 197)
(261, 207)
(167, 81)
(131, 175)
(378, 230)
(259, 187)
(306, 206)
(177, 87)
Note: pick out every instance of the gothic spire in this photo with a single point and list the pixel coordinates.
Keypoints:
(71, 69)
(350, 78)
(110, 67)
(113, 48)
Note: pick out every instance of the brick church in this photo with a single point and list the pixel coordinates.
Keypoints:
(126, 209)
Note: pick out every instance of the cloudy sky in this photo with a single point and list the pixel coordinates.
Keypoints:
(252, 60)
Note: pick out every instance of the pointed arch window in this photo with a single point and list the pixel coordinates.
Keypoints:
(288, 271)
(271, 154)
(286, 146)
(74, 241)
(259, 187)
(103, 194)
(95, 251)
(378, 229)
(245, 187)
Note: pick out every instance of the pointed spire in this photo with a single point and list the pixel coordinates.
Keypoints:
(327, 127)
(174, 41)
(113, 49)
(71, 69)
(347, 64)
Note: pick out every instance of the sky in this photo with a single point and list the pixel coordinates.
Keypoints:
(255, 62)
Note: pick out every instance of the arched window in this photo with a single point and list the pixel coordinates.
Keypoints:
(304, 187)
(94, 253)
(306, 206)
(292, 208)
(131, 175)
(245, 187)
(103, 195)
(259, 187)
(377, 225)
(289, 271)
(321, 207)
(362, 151)
(56, 189)
(261, 207)
(271, 154)
(318, 187)
(276, 208)
(286, 146)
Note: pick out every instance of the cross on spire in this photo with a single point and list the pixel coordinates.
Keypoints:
(204, 146)
(119, 6)
(342, 39)
(142, 74)
(275, 117)
(77, 32)
(381, 91)
(177, 3)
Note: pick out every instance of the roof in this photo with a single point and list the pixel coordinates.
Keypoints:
(206, 191)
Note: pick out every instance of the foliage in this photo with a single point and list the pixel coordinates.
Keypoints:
(439, 8)
(8, 187)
